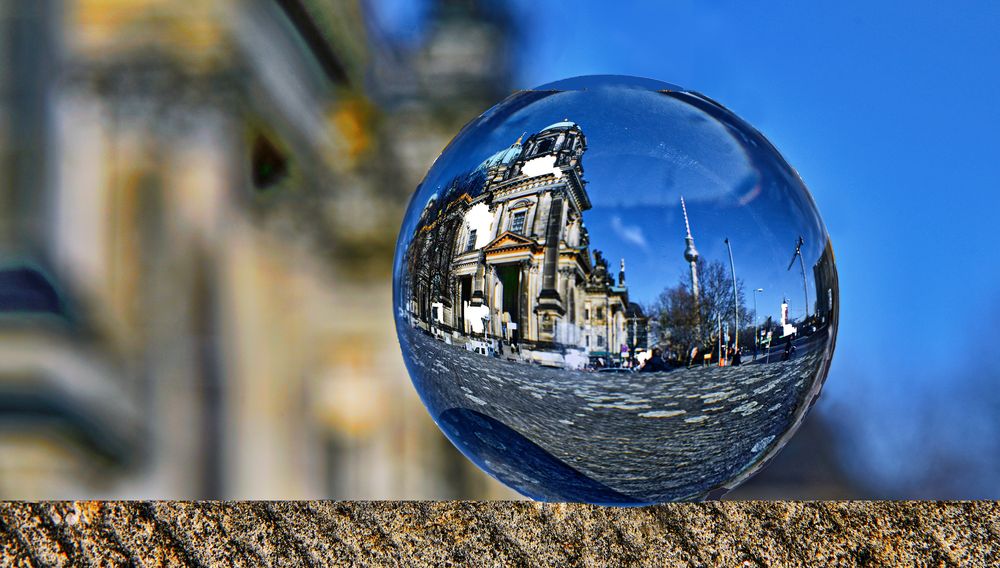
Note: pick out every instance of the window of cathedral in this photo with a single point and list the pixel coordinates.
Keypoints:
(471, 243)
(517, 222)
(545, 145)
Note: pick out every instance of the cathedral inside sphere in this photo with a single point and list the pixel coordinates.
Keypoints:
(613, 290)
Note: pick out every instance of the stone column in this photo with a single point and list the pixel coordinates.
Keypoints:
(549, 299)
(479, 281)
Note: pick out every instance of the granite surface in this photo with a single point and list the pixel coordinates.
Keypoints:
(322, 533)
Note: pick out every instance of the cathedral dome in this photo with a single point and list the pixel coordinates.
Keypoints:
(561, 125)
(504, 157)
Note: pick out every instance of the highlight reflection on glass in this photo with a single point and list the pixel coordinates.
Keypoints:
(613, 290)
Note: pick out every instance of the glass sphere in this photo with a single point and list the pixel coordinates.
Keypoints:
(613, 290)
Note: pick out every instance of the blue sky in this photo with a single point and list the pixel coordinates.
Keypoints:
(889, 112)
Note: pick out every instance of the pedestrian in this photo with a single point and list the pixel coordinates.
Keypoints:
(736, 358)
(694, 355)
(789, 350)
(655, 362)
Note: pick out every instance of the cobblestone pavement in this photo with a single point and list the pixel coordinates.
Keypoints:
(650, 436)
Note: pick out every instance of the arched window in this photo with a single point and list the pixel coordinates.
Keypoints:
(517, 221)
(517, 218)
(545, 146)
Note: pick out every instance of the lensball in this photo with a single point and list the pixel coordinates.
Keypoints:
(613, 290)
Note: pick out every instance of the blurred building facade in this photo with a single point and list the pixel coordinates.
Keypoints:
(198, 208)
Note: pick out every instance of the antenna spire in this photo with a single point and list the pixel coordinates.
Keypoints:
(687, 225)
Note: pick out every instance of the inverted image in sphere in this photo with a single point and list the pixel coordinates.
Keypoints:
(613, 290)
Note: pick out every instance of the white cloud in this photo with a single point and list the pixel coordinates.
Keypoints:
(629, 233)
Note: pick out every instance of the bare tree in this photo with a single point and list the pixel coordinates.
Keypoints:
(682, 326)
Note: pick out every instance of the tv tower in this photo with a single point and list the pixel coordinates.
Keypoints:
(690, 254)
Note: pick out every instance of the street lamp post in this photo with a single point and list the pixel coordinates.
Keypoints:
(736, 299)
(802, 267)
(607, 325)
(756, 331)
(719, 318)
(635, 339)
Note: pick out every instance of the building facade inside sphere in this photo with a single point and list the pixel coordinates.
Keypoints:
(501, 260)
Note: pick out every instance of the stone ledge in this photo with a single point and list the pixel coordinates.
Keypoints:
(728, 533)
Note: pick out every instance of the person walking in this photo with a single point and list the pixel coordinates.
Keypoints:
(694, 356)
(655, 363)
(789, 350)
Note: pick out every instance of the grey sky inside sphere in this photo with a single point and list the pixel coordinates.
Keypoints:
(542, 261)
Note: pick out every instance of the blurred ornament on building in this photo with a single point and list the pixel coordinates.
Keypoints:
(197, 213)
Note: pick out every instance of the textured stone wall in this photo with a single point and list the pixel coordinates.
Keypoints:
(495, 533)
